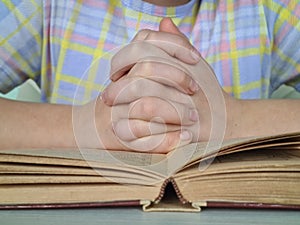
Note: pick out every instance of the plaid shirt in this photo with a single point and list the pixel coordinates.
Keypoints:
(252, 45)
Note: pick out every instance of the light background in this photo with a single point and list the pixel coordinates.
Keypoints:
(29, 91)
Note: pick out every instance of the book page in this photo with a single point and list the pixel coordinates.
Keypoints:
(204, 151)
(106, 163)
(155, 165)
(97, 155)
(271, 160)
(269, 176)
(258, 160)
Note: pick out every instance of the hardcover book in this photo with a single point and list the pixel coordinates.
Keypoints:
(260, 172)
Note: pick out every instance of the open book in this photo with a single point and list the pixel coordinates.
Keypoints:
(251, 172)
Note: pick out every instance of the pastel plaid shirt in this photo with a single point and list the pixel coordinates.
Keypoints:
(65, 46)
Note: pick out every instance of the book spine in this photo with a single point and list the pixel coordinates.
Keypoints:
(177, 191)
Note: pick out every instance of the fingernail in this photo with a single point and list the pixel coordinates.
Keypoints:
(193, 115)
(193, 86)
(185, 135)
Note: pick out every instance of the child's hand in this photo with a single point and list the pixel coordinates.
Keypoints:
(162, 79)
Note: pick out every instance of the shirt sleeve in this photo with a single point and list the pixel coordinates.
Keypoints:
(20, 42)
(283, 18)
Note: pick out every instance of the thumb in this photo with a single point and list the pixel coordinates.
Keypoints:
(167, 25)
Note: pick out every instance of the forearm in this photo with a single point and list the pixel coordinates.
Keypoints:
(263, 117)
(35, 125)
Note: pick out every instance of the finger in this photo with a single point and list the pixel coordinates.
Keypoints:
(144, 45)
(161, 143)
(131, 129)
(131, 89)
(126, 57)
(175, 45)
(156, 110)
(162, 111)
(165, 72)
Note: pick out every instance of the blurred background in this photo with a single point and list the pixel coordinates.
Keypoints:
(29, 91)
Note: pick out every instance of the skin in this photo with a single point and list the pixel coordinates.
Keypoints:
(37, 124)
(244, 118)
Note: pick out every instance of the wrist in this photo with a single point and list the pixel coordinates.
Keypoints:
(234, 115)
(85, 126)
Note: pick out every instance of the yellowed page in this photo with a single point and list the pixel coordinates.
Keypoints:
(248, 161)
(117, 166)
(270, 176)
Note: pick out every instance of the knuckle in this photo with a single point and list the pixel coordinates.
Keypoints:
(142, 35)
(142, 69)
(133, 88)
(147, 106)
(146, 68)
(152, 35)
(134, 50)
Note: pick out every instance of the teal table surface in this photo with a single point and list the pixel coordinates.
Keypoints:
(136, 216)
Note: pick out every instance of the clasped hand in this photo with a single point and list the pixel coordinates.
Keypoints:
(154, 103)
